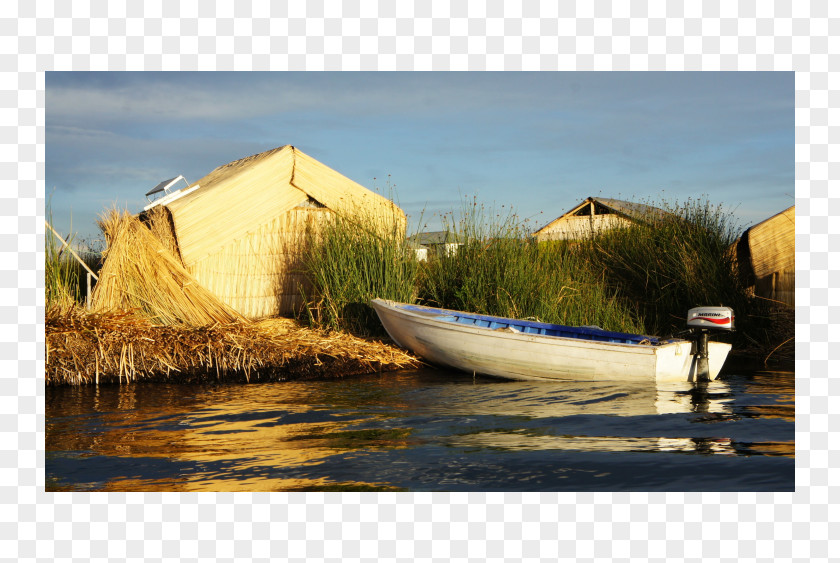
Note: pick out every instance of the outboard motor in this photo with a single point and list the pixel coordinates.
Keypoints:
(700, 321)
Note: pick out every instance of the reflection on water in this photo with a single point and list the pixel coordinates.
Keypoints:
(424, 430)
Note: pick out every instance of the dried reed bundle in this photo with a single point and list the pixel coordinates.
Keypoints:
(140, 273)
(124, 347)
(159, 220)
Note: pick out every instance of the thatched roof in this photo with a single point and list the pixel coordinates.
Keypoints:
(608, 206)
(434, 237)
(239, 197)
(629, 209)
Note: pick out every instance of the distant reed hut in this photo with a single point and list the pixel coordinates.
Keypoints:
(239, 230)
(435, 243)
(766, 257)
(593, 215)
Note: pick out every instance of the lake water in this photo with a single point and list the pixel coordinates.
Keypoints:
(424, 430)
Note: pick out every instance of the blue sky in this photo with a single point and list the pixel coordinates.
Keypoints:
(540, 142)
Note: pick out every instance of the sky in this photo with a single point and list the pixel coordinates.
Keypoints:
(538, 143)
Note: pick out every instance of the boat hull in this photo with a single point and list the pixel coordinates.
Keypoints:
(518, 355)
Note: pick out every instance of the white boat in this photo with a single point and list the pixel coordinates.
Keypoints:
(528, 350)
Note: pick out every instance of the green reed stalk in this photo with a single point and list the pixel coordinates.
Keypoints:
(351, 259)
(61, 276)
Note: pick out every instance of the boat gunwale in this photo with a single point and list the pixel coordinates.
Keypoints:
(428, 314)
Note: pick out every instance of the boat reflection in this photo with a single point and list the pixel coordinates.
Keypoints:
(691, 407)
(699, 397)
(616, 399)
(521, 441)
(537, 399)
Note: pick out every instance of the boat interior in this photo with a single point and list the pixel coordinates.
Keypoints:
(532, 327)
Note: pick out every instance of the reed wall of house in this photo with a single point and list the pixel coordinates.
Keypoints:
(778, 286)
(580, 226)
(772, 257)
(260, 274)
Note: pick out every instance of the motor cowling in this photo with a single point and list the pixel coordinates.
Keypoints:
(700, 321)
(717, 318)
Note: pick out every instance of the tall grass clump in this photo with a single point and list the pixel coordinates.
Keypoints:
(670, 262)
(61, 276)
(65, 277)
(499, 269)
(350, 258)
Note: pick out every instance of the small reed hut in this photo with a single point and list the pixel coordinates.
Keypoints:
(239, 230)
(766, 257)
(593, 215)
(436, 243)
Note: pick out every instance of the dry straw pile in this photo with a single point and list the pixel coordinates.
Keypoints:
(124, 347)
(141, 273)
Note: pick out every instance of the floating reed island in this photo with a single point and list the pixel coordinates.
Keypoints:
(126, 347)
(151, 321)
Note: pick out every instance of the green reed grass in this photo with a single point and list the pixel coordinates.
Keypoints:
(352, 258)
(666, 264)
(61, 277)
(64, 277)
(500, 270)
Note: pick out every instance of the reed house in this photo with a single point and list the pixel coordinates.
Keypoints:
(766, 257)
(437, 243)
(595, 214)
(239, 230)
